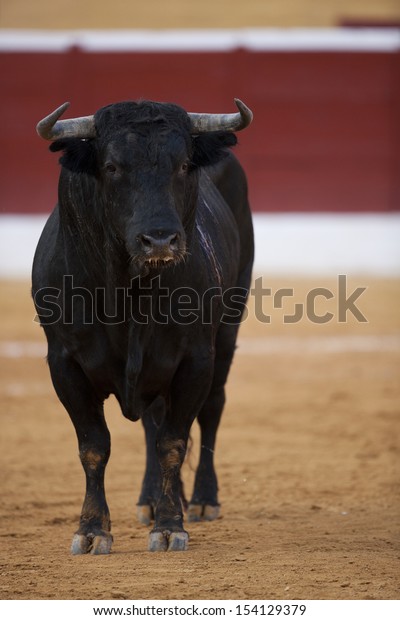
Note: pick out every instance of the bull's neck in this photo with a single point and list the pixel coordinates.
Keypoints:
(93, 257)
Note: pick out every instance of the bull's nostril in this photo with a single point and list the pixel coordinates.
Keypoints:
(173, 241)
(146, 241)
(159, 244)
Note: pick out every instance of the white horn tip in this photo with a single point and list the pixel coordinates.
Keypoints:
(245, 112)
(44, 127)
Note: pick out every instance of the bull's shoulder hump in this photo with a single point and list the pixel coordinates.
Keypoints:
(212, 205)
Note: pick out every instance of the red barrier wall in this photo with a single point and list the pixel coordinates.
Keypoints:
(325, 135)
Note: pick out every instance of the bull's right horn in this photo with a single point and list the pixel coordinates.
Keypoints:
(202, 123)
(50, 128)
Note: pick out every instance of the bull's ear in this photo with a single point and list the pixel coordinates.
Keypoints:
(79, 155)
(210, 148)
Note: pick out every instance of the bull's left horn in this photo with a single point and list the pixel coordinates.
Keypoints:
(201, 123)
(50, 128)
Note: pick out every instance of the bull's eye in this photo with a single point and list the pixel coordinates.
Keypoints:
(110, 168)
(184, 167)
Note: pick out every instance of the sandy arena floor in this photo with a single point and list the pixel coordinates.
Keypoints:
(308, 462)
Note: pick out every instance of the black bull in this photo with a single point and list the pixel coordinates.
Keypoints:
(151, 204)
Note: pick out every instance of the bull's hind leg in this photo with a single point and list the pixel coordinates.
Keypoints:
(204, 503)
(86, 413)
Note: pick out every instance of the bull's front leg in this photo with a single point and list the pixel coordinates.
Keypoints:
(188, 392)
(86, 412)
(168, 533)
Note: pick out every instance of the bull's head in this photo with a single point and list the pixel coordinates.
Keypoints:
(144, 158)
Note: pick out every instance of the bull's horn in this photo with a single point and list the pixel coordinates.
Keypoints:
(50, 128)
(201, 123)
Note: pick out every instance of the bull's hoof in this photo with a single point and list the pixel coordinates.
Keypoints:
(168, 541)
(80, 545)
(202, 512)
(211, 513)
(178, 541)
(157, 541)
(101, 545)
(95, 545)
(145, 514)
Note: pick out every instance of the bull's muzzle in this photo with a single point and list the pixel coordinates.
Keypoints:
(160, 247)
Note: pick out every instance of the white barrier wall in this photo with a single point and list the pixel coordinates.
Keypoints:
(287, 244)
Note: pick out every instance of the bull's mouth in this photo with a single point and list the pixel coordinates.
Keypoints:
(144, 261)
(160, 263)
